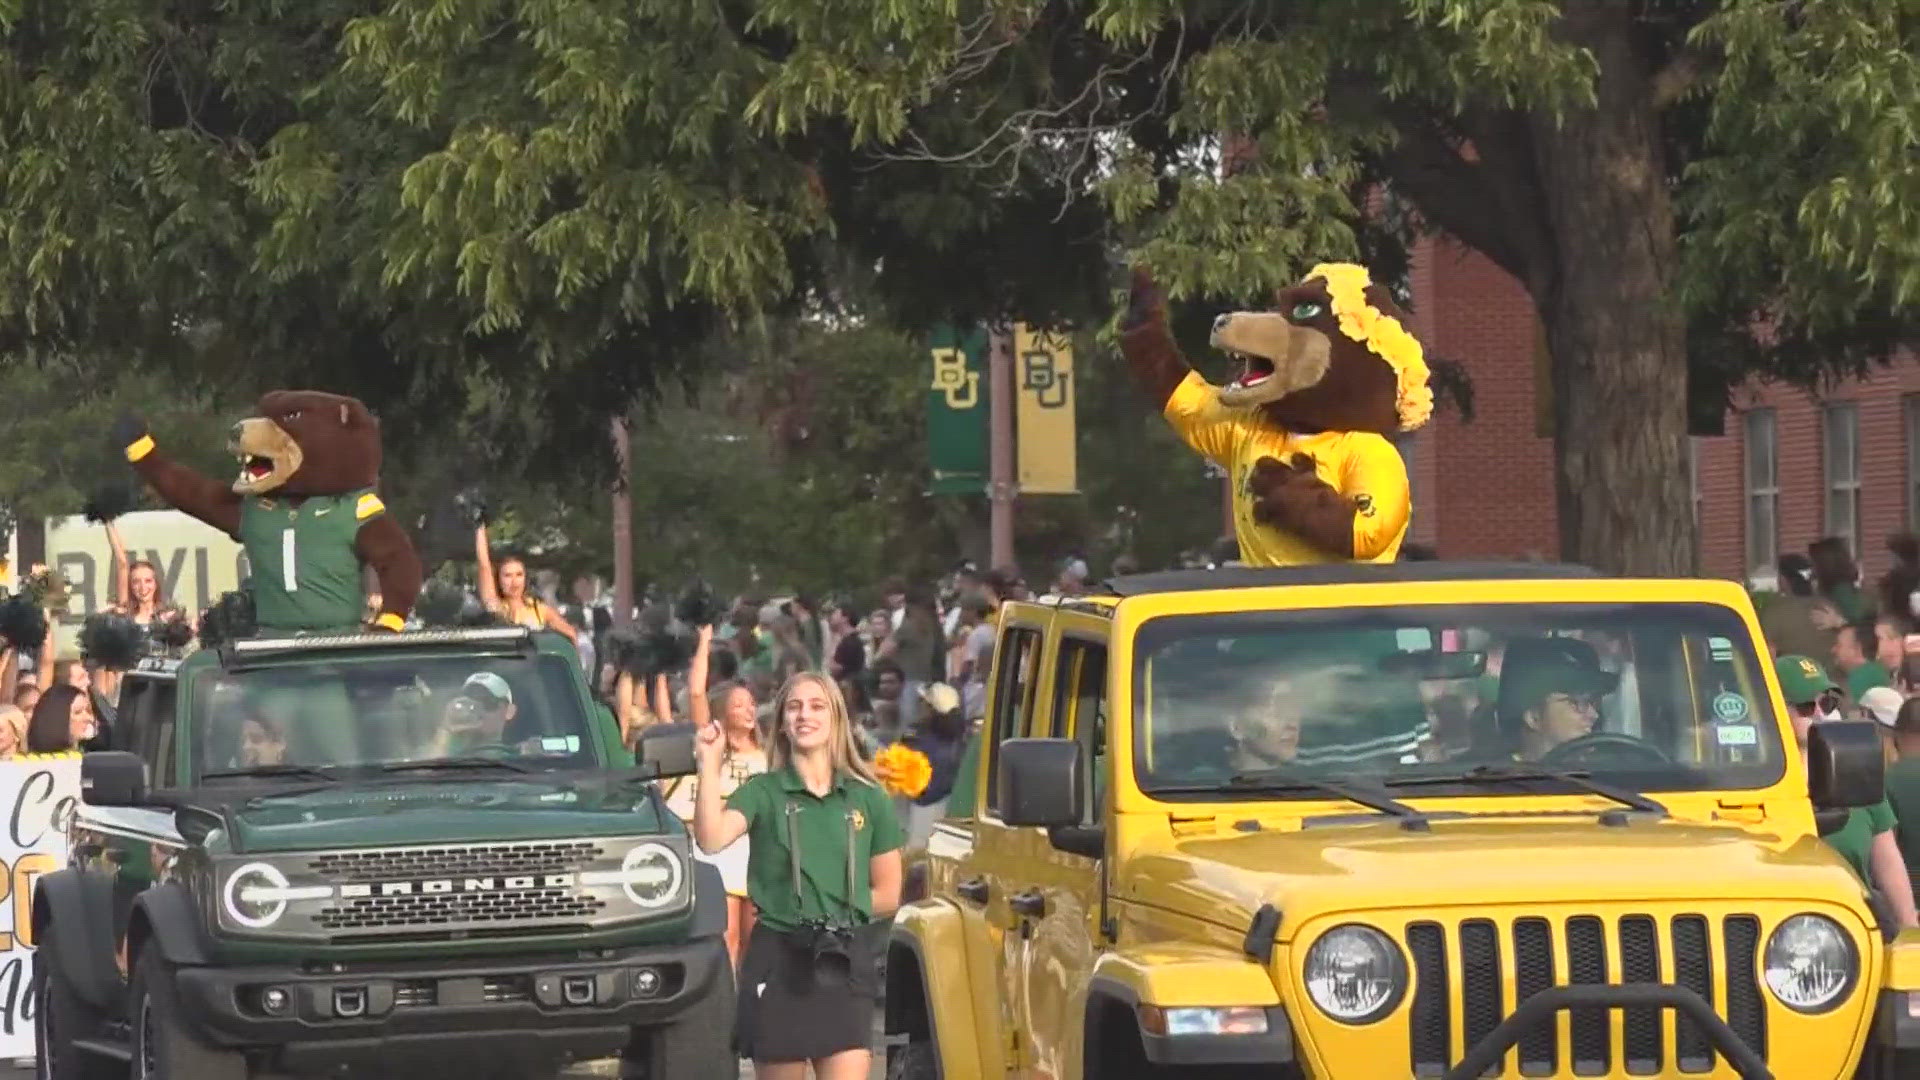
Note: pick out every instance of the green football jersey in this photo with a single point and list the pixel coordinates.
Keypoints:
(304, 572)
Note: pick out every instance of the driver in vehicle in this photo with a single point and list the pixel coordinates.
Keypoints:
(1550, 693)
(1267, 734)
(262, 743)
(475, 717)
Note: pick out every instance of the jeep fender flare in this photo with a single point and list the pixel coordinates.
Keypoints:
(709, 901)
(165, 917)
(84, 930)
(927, 947)
(1173, 975)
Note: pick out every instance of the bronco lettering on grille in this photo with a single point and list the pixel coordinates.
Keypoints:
(445, 886)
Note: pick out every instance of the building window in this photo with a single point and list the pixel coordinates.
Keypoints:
(1763, 492)
(1693, 476)
(1911, 406)
(1842, 422)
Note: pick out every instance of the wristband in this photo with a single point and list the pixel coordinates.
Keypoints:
(390, 621)
(141, 448)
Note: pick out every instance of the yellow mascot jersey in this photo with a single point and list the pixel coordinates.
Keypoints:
(1361, 465)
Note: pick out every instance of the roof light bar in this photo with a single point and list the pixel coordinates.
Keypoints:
(477, 636)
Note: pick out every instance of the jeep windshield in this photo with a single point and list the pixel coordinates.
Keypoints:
(1453, 700)
(391, 716)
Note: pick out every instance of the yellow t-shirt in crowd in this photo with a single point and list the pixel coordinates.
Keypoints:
(1363, 466)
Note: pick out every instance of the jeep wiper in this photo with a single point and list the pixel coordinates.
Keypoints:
(1583, 781)
(1289, 780)
(310, 772)
(430, 764)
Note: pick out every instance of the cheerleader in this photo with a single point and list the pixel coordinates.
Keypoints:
(823, 871)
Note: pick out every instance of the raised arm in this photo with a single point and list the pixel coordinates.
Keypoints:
(715, 824)
(180, 487)
(122, 569)
(1147, 343)
(698, 710)
(483, 557)
(9, 674)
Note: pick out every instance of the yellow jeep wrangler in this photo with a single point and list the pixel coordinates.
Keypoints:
(1416, 820)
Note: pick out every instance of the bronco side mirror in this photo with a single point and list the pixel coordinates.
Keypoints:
(666, 750)
(1040, 782)
(113, 778)
(1846, 766)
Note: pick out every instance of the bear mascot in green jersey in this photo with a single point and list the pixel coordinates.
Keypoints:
(303, 507)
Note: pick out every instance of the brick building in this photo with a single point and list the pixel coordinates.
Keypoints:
(1792, 466)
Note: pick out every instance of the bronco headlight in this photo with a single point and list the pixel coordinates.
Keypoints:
(1810, 964)
(1355, 974)
(257, 894)
(650, 875)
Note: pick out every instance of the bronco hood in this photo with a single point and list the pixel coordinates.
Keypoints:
(450, 812)
(1380, 867)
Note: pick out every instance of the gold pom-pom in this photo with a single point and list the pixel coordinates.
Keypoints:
(903, 770)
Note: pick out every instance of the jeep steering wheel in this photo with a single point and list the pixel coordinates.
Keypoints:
(1601, 745)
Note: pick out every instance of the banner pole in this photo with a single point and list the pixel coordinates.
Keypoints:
(1000, 443)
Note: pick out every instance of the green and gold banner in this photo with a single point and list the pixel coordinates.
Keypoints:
(957, 432)
(1043, 377)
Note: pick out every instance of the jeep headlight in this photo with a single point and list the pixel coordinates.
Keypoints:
(650, 875)
(1355, 974)
(1810, 964)
(256, 895)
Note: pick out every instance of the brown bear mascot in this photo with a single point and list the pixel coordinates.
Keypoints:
(304, 508)
(1325, 377)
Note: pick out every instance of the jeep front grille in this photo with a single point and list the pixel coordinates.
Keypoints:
(454, 860)
(1464, 976)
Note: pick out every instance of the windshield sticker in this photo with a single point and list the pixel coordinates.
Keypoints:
(1720, 648)
(1737, 735)
(560, 744)
(1730, 708)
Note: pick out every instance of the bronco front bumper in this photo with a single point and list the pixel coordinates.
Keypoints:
(322, 1018)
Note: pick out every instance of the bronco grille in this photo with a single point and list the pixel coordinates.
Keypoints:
(1462, 974)
(503, 901)
(462, 860)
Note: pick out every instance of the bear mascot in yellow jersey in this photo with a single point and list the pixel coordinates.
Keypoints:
(1302, 429)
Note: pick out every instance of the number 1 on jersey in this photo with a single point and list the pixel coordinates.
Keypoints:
(289, 563)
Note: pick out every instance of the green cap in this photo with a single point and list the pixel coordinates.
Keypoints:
(1802, 679)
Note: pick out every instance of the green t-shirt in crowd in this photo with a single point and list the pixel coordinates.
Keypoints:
(1903, 797)
(1866, 677)
(1854, 839)
(853, 817)
(1850, 602)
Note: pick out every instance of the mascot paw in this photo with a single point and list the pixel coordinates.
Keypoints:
(127, 430)
(1145, 302)
(1271, 479)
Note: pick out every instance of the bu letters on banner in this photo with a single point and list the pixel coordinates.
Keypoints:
(40, 794)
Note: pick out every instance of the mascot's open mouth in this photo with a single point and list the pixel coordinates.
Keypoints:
(254, 468)
(1254, 370)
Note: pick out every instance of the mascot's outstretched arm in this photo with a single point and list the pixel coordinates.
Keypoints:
(382, 544)
(183, 489)
(1148, 344)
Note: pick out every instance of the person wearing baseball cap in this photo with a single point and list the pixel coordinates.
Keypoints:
(1867, 839)
(1550, 691)
(477, 715)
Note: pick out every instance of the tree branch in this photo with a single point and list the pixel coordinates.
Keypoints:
(1480, 202)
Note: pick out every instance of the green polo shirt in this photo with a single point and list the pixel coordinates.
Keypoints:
(1855, 839)
(1903, 795)
(851, 812)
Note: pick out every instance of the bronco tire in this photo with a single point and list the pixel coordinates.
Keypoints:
(163, 1049)
(698, 1045)
(62, 1016)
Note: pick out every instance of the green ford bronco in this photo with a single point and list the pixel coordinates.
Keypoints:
(343, 855)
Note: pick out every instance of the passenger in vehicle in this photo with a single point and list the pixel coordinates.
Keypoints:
(1550, 694)
(261, 743)
(1267, 734)
(476, 716)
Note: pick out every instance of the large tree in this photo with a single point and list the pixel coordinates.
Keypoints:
(1737, 176)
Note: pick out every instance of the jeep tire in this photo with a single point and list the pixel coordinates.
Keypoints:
(63, 1017)
(163, 1048)
(697, 1044)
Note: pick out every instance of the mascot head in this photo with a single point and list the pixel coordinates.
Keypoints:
(1334, 355)
(304, 442)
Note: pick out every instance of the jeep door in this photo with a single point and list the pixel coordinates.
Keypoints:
(1056, 897)
(134, 843)
(986, 876)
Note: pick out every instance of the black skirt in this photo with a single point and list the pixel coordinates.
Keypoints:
(796, 1006)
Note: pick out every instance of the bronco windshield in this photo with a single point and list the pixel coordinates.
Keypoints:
(390, 713)
(1438, 700)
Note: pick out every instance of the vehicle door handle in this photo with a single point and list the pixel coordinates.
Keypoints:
(974, 889)
(1031, 903)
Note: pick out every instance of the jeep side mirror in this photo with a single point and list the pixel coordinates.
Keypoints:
(1846, 766)
(666, 750)
(1040, 782)
(113, 778)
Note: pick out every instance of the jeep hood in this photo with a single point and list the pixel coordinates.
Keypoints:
(1376, 867)
(451, 811)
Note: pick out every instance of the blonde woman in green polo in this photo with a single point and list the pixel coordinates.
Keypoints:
(823, 870)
